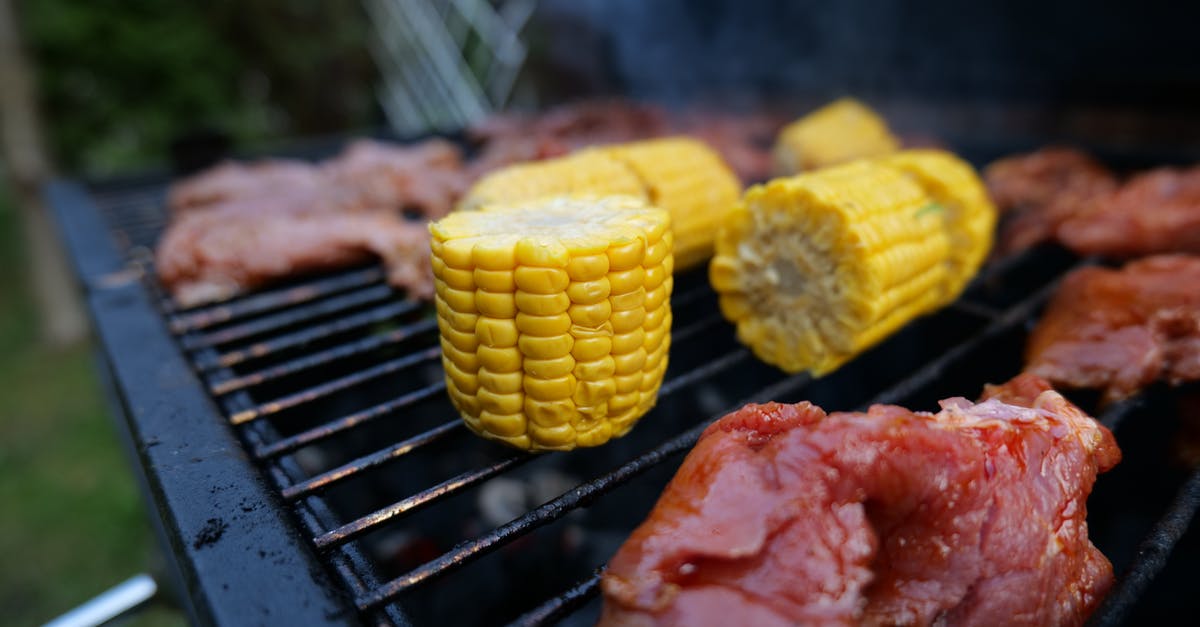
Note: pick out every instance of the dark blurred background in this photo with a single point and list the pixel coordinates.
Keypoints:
(96, 89)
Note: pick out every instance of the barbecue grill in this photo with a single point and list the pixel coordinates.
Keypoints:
(304, 465)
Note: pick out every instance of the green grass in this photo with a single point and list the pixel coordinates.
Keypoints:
(73, 521)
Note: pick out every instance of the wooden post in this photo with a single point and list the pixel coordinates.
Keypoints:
(26, 165)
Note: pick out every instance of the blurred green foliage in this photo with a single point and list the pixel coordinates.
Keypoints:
(120, 80)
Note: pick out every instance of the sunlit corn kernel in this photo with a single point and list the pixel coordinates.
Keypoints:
(498, 332)
(501, 281)
(495, 305)
(589, 292)
(542, 304)
(541, 280)
(549, 368)
(543, 326)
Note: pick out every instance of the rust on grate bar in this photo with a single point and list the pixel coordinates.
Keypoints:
(344, 423)
(366, 462)
(342, 351)
(366, 523)
(203, 318)
(304, 336)
(289, 317)
(336, 385)
(563, 604)
(352, 530)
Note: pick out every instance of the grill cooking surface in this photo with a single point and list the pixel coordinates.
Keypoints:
(334, 387)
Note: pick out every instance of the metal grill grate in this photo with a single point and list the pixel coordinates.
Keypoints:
(334, 387)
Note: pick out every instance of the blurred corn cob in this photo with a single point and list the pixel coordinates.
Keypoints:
(682, 175)
(841, 131)
(555, 317)
(815, 268)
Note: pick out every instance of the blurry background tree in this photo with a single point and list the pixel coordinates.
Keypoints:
(120, 81)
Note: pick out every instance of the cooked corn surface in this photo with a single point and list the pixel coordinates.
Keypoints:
(689, 180)
(841, 131)
(966, 209)
(555, 317)
(815, 268)
(588, 172)
(679, 174)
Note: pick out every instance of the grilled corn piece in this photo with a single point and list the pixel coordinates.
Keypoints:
(816, 268)
(554, 316)
(587, 172)
(966, 209)
(841, 131)
(689, 180)
(679, 174)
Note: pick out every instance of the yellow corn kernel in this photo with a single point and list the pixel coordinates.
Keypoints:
(583, 173)
(554, 346)
(841, 131)
(816, 268)
(965, 206)
(679, 174)
(689, 180)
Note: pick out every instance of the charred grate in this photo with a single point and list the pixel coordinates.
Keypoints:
(333, 385)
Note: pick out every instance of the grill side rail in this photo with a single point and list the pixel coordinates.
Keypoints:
(232, 547)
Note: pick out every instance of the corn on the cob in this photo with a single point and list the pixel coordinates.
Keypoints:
(555, 317)
(841, 131)
(682, 175)
(966, 208)
(689, 180)
(816, 268)
(587, 172)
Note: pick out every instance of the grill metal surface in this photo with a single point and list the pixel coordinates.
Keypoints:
(333, 387)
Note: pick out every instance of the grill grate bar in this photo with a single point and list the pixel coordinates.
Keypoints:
(352, 530)
(293, 316)
(304, 336)
(199, 319)
(367, 462)
(561, 505)
(344, 423)
(1152, 555)
(336, 385)
(1112, 415)
(384, 456)
(350, 349)
(585, 493)
(560, 606)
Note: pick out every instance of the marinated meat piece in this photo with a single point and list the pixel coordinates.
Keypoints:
(1040, 190)
(231, 180)
(291, 224)
(1121, 330)
(213, 255)
(425, 178)
(782, 515)
(743, 140)
(1154, 212)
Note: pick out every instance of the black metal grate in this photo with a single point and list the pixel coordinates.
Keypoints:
(335, 389)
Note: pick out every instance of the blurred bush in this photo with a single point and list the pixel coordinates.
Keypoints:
(120, 80)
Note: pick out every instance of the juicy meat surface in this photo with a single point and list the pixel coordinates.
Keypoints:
(784, 515)
(1121, 330)
(232, 180)
(1154, 212)
(214, 255)
(1037, 192)
(343, 211)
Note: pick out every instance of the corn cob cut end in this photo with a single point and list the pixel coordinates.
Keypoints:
(816, 268)
(841, 131)
(554, 317)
